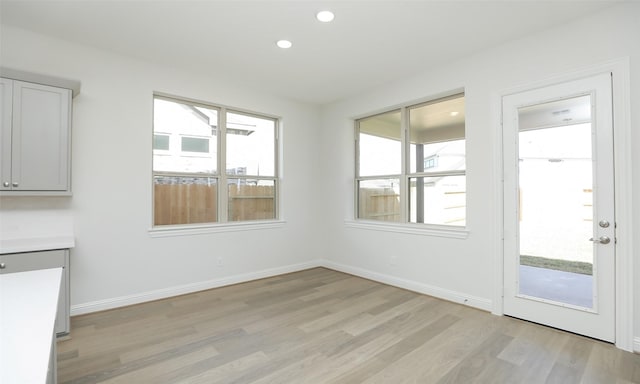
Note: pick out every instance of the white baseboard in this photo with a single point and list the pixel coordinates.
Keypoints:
(440, 293)
(445, 294)
(636, 344)
(122, 301)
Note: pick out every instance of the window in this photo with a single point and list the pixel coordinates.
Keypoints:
(188, 184)
(379, 167)
(195, 144)
(161, 142)
(410, 164)
(431, 162)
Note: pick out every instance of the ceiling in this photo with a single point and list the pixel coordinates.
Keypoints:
(369, 43)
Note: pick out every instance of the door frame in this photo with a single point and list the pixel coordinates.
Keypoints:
(624, 338)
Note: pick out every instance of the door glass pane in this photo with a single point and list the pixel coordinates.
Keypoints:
(555, 202)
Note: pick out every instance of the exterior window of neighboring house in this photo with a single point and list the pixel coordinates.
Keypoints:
(195, 144)
(161, 142)
(431, 162)
(192, 143)
(410, 164)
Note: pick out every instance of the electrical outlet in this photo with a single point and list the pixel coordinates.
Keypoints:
(393, 260)
(220, 262)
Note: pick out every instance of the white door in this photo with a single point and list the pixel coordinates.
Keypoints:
(559, 225)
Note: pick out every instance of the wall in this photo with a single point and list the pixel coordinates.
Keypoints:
(465, 270)
(116, 261)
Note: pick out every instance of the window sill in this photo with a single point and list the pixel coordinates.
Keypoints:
(187, 230)
(411, 229)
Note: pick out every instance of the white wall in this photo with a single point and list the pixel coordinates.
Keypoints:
(115, 260)
(467, 269)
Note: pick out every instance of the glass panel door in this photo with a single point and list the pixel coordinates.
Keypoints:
(555, 201)
(559, 224)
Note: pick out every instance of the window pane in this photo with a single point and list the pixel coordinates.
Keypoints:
(438, 200)
(436, 136)
(197, 125)
(161, 142)
(379, 145)
(251, 199)
(184, 200)
(379, 200)
(250, 145)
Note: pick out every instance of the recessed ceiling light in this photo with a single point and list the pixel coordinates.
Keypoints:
(284, 44)
(325, 16)
(454, 113)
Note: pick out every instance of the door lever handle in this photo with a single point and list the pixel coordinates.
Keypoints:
(601, 240)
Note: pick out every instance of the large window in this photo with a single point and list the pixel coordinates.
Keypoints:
(410, 164)
(192, 142)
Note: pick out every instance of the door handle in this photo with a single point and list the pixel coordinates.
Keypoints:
(601, 240)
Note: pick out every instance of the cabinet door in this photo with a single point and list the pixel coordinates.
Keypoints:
(40, 138)
(6, 105)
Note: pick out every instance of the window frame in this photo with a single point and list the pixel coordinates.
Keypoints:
(221, 176)
(405, 225)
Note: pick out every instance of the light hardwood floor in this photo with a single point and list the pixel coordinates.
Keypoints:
(322, 326)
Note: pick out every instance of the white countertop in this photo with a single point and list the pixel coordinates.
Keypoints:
(28, 305)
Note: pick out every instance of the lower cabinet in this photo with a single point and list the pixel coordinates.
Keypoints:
(29, 261)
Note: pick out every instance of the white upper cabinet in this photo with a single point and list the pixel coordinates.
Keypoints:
(36, 138)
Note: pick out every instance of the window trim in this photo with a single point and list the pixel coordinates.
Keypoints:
(448, 231)
(222, 224)
(200, 229)
(405, 226)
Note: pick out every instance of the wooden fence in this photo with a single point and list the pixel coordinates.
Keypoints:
(379, 204)
(184, 204)
(197, 203)
(251, 202)
(448, 207)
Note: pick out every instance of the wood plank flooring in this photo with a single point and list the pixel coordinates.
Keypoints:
(322, 326)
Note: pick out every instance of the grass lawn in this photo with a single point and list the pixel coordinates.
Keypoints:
(559, 265)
